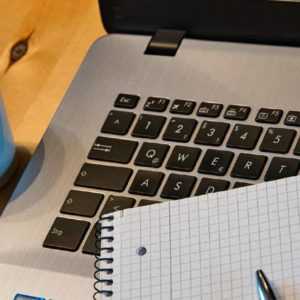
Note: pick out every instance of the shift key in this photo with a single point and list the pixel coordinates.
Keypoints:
(114, 150)
(103, 177)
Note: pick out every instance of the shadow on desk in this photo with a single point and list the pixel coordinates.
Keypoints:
(22, 157)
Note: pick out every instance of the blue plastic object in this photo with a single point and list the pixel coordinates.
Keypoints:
(7, 146)
(24, 297)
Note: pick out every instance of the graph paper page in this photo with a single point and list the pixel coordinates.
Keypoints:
(209, 247)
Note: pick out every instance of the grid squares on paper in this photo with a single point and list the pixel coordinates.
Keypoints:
(209, 247)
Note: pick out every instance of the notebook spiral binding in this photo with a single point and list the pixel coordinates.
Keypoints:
(103, 263)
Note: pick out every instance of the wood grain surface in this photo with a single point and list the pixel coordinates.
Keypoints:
(59, 34)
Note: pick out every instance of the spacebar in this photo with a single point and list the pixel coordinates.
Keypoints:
(103, 177)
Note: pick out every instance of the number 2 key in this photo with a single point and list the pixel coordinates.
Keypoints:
(180, 130)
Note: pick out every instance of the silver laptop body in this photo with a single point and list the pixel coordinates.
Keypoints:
(226, 72)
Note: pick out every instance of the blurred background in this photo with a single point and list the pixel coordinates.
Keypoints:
(42, 43)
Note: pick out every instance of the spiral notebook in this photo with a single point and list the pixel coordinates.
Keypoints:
(206, 247)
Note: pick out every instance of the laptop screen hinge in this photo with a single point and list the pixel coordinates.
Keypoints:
(165, 42)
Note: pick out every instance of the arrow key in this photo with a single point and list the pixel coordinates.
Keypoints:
(115, 203)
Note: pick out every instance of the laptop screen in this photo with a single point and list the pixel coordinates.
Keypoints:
(263, 21)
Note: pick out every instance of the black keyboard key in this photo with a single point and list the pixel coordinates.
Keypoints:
(297, 148)
(127, 101)
(114, 150)
(292, 118)
(209, 185)
(151, 155)
(178, 186)
(156, 104)
(90, 244)
(216, 162)
(115, 203)
(118, 122)
(145, 202)
(183, 158)
(183, 107)
(149, 126)
(244, 137)
(278, 140)
(146, 183)
(281, 167)
(103, 177)
(240, 184)
(236, 112)
(211, 110)
(180, 130)
(249, 166)
(66, 234)
(83, 204)
(212, 133)
(267, 115)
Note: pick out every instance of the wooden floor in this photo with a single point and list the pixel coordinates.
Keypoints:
(59, 34)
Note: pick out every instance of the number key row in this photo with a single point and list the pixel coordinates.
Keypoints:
(276, 140)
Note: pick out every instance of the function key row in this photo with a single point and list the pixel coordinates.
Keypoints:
(209, 109)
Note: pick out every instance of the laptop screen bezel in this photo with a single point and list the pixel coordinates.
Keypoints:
(259, 21)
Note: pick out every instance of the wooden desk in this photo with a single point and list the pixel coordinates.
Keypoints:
(59, 34)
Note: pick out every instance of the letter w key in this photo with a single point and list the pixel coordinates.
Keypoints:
(183, 158)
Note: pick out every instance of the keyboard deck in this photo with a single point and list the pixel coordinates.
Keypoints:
(227, 151)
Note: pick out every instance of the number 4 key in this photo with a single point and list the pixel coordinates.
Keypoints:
(244, 136)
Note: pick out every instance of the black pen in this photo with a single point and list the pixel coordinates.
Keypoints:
(263, 286)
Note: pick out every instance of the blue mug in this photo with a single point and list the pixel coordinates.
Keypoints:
(7, 147)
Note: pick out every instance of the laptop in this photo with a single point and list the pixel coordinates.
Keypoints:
(179, 99)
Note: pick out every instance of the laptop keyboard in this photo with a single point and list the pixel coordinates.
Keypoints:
(220, 155)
